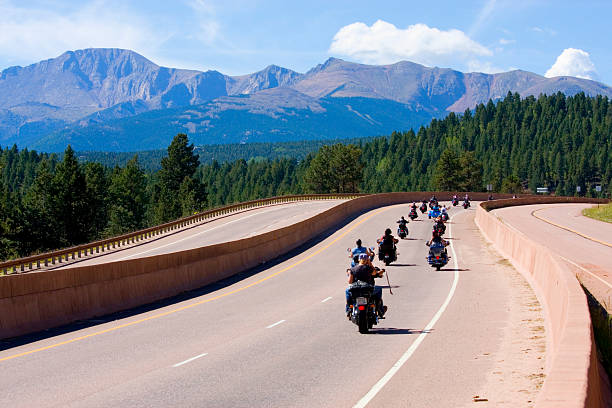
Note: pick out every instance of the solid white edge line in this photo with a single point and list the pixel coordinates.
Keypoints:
(189, 360)
(326, 299)
(395, 368)
(275, 324)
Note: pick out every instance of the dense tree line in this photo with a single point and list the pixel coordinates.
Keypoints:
(554, 141)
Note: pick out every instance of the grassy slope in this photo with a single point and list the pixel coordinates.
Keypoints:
(601, 213)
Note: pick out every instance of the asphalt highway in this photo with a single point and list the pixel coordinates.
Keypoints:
(584, 241)
(279, 338)
(226, 228)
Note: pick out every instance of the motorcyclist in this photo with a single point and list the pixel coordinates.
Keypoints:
(444, 214)
(359, 249)
(413, 207)
(365, 272)
(439, 225)
(402, 222)
(387, 242)
(436, 239)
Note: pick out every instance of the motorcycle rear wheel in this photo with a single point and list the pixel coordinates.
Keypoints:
(363, 323)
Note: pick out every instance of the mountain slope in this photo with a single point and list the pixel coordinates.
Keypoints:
(267, 116)
(83, 95)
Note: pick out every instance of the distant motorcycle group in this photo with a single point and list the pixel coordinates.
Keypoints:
(364, 305)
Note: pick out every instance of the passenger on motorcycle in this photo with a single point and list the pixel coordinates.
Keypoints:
(365, 272)
(436, 239)
(359, 249)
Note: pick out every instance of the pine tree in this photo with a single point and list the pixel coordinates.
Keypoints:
(180, 163)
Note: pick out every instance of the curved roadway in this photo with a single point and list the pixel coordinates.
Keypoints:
(280, 338)
(230, 227)
(583, 241)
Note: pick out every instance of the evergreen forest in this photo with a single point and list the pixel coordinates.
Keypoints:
(514, 145)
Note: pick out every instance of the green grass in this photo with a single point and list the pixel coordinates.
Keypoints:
(601, 212)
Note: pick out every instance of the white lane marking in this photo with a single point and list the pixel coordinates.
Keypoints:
(586, 270)
(326, 299)
(190, 360)
(195, 235)
(396, 367)
(275, 324)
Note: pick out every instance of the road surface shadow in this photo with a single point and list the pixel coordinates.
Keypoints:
(393, 330)
(396, 264)
(387, 286)
(453, 270)
(6, 344)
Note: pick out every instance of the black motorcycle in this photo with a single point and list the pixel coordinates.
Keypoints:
(423, 208)
(440, 228)
(437, 256)
(402, 231)
(455, 201)
(364, 312)
(444, 216)
(466, 204)
(413, 214)
(387, 255)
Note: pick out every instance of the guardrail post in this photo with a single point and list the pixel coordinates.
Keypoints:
(22, 267)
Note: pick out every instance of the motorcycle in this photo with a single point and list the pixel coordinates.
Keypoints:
(433, 203)
(437, 256)
(423, 208)
(413, 215)
(440, 228)
(434, 212)
(402, 231)
(387, 255)
(466, 204)
(363, 311)
(455, 201)
(444, 216)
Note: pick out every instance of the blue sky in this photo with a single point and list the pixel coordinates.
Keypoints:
(239, 36)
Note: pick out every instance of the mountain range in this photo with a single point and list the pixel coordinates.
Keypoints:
(117, 100)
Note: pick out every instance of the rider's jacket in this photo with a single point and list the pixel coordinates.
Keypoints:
(359, 250)
(362, 273)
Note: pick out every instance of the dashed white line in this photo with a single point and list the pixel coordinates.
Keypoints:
(326, 299)
(396, 367)
(275, 324)
(190, 360)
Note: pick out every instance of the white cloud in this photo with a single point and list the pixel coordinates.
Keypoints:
(504, 41)
(384, 43)
(483, 66)
(573, 62)
(484, 14)
(541, 30)
(209, 27)
(29, 34)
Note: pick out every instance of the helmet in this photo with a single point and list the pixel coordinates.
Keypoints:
(388, 231)
(358, 242)
(443, 209)
(363, 256)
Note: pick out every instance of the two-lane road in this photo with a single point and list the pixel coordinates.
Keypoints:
(280, 337)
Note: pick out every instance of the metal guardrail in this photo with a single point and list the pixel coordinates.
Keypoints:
(35, 262)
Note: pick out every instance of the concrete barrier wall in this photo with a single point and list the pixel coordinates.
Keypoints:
(572, 371)
(40, 300)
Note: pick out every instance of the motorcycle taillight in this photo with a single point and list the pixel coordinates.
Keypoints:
(361, 307)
